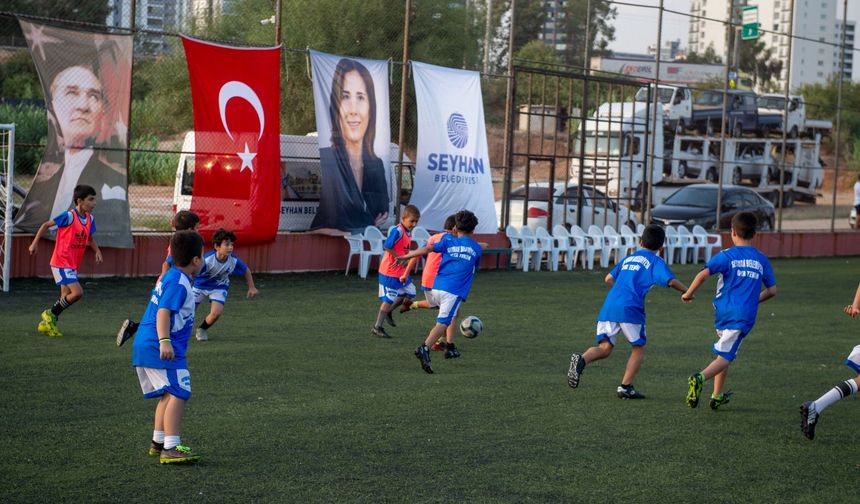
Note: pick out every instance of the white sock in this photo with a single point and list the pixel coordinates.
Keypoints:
(841, 390)
(158, 436)
(171, 442)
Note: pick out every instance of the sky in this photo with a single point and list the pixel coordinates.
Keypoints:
(675, 26)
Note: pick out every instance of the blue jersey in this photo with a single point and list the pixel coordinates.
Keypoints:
(743, 270)
(65, 219)
(634, 276)
(215, 274)
(172, 292)
(460, 257)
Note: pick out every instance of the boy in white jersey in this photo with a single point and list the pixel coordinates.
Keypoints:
(161, 344)
(213, 281)
(624, 309)
(743, 270)
(810, 410)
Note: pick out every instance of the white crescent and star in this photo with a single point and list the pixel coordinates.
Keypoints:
(236, 89)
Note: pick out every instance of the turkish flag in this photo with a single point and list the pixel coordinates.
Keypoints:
(235, 93)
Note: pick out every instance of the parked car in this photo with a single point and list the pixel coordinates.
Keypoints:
(697, 204)
(692, 164)
(755, 164)
(594, 203)
(18, 195)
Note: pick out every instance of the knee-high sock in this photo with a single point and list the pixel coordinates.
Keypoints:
(840, 391)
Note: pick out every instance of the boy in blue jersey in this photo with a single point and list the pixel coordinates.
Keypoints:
(460, 256)
(623, 310)
(160, 346)
(810, 410)
(743, 270)
(213, 281)
(395, 282)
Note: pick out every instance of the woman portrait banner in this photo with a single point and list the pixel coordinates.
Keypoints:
(352, 116)
(86, 80)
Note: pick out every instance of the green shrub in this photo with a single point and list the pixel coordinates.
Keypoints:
(31, 127)
(152, 168)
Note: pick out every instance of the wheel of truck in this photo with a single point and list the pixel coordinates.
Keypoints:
(682, 169)
(737, 176)
(711, 175)
(787, 199)
(765, 177)
(766, 225)
(773, 197)
(793, 132)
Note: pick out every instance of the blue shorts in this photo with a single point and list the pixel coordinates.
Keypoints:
(728, 344)
(390, 294)
(64, 276)
(155, 382)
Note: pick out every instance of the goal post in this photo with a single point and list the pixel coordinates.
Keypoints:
(7, 165)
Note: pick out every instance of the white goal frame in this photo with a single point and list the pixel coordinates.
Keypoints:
(7, 167)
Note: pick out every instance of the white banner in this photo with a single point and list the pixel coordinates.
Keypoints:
(351, 104)
(452, 172)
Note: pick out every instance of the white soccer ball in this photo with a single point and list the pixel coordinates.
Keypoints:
(471, 326)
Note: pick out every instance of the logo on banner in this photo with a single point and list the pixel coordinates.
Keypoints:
(458, 130)
(236, 89)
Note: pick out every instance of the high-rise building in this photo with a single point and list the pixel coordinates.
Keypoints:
(812, 54)
(552, 31)
(848, 49)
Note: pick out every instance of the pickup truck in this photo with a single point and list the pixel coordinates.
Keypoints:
(797, 124)
(677, 102)
(742, 115)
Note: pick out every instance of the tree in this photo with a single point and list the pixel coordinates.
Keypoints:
(709, 57)
(759, 62)
(573, 27)
(90, 11)
(530, 17)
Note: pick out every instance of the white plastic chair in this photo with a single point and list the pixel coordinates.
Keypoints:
(420, 237)
(631, 241)
(672, 244)
(516, 240)
(708, 241)
(688, 244)
(551, 247)
(374, 238)
(640, 228)
(531, 247)
(586, 244)
(596, 234)
(356, 247)
(569, 245)
(614, 242)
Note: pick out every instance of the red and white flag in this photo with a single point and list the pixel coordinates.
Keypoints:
(235, 93)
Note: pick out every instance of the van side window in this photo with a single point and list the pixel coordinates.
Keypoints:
(187, 176)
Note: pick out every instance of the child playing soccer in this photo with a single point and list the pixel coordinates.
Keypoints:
(75, 230)
(624, 309)
(743, 270)
(213, 281)
(161, 345)
(184, 219)
(395, 284)
(460, 256)
(428, 276)
(810, 410)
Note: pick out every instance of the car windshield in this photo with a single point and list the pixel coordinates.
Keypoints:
(600, 143)
(710, 98)
(665, 95)
(772, 102)
(535, 193)
(700, 197)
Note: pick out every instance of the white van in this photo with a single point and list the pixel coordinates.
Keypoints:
(300, 179)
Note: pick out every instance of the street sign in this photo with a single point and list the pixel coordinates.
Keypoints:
(749, 23)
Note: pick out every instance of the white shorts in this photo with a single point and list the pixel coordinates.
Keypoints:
(390, 294)
(449, 304)
(728, 344)
(853, 360)
(64, 276)
(608, 331)
(155, 382)
(213, 295)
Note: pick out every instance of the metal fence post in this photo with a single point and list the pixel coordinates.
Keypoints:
(785, 120)
(509, 120)
(838, 116)
(401, 137)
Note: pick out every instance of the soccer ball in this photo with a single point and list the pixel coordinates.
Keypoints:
(471, 326)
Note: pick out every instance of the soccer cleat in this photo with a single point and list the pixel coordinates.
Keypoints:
(629, 392)
(50, 323)
(379, 332)
(178, 455)
(126, 331)
(424, 356)
(695, 382)
(808, 419)
(390, 319)
(452, 352)
(155, 449)
(202, 335)
(720, 400)
(44, 328)
(406, 306)
(574, 372)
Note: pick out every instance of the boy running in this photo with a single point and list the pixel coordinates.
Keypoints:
(161, 344)
(395, 284)
(623, 310)
(743, 270)
(75, 230)
(810, 410)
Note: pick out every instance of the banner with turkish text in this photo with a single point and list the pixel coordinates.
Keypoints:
(235, 94)
(353, 130)
(86, 81)
(452, 169)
